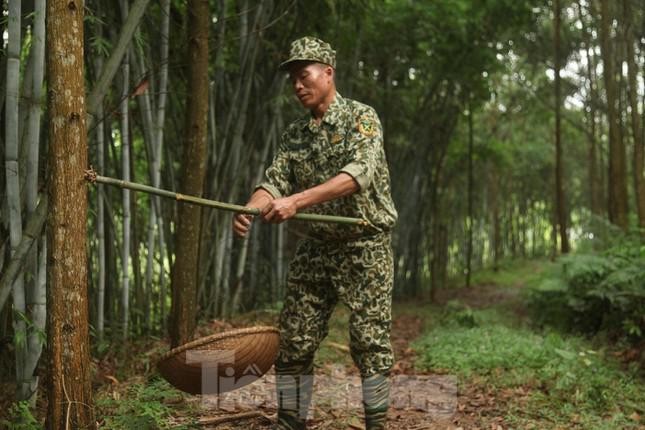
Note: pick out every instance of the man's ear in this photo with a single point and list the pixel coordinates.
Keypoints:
(329, 71)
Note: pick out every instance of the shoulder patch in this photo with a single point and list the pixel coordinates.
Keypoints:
(367, 126)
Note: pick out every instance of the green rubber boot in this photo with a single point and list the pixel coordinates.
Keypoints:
(376, 400)
(294, 382)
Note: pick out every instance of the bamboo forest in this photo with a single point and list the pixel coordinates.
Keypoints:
(490, 268)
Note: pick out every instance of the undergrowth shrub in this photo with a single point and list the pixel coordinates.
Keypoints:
(595, 292)
(20, 418)
(457, 313)
(143, 408)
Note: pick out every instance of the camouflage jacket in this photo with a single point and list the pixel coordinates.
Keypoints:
(349, 139)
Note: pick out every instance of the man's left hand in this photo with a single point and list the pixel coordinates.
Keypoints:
(280, 210)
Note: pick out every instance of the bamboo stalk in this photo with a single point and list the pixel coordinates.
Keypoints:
(112, 66)
(230, 418)
(125, 160)
(30, 234)
(13, 179)
(91, 176)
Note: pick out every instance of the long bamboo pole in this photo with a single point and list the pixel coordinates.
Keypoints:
(91, 176)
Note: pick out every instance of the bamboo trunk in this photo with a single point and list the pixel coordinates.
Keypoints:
(125, 163)
(14, 266)
(95, 98)
(24, 108)
(157, 146)
(13, 186)
(100, 221)
(36, 297)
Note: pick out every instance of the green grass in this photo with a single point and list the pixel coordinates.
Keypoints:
(511, 273)
(141, 407)
(570, 384)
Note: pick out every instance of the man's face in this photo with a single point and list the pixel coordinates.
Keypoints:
(311, 82)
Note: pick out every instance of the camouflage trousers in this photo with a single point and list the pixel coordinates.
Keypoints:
(359, 274)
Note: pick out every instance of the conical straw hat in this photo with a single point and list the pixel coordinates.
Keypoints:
(221, 362)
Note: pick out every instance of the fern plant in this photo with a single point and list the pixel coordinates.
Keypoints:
(596, 292)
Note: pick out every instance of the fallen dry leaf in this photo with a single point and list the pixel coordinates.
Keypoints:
(141, 87)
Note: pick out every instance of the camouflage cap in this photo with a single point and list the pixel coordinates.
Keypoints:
(310, 49)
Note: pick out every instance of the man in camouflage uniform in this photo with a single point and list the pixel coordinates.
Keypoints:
(331, 162)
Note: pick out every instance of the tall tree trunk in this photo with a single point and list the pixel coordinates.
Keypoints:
(496, 246)
(593, 179)
(12, 169)
(471, 185)
(637, 132)
(184, 276)
(617, 176)
(69, 383)
(559, 180)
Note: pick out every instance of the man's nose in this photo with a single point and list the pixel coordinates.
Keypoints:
(297, 84)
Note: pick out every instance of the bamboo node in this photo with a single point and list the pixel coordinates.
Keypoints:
(90, 175)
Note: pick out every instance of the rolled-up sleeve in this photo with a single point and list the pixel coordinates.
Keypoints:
(277, 176)
(365, 142)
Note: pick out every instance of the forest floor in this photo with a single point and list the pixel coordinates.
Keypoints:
(472, 360)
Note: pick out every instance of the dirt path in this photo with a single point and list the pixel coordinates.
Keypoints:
(418, 401)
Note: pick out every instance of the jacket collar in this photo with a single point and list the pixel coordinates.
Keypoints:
(333, 116)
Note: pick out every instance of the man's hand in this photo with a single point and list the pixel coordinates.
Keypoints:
(242, 222)
(280, 210)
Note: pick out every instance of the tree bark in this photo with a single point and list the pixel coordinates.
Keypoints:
(69, 383)
(184, 276)
(617, 177)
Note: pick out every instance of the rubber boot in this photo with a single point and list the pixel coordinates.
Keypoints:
(376, 400)
(294, 383)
